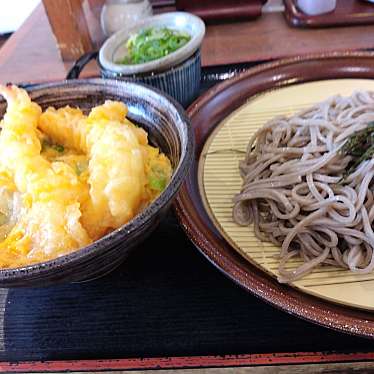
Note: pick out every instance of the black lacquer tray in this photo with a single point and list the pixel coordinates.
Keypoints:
(165, 300)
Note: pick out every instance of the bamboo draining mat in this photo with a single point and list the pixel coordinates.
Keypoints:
(219, 181)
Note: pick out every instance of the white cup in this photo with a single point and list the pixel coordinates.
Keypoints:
(315, 7)
(120, 14)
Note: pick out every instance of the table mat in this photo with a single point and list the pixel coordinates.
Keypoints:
(165, 300)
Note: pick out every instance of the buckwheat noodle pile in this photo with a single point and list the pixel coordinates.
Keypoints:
(301, 192)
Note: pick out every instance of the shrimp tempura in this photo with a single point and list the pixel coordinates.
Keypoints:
(116, 161)
(51, 192)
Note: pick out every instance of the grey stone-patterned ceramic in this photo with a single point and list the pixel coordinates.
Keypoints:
(167, 126)
(182, 82)
(177, 74)
(114, 49)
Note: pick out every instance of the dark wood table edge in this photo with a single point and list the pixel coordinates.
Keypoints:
(262, 359)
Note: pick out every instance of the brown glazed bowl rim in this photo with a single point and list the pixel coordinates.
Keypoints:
(142, 218)
(208, 111)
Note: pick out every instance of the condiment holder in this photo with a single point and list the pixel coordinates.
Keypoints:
(177, 74)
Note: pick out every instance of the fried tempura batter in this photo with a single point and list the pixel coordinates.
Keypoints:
(116, 164)
(66, 178)
(51, 192)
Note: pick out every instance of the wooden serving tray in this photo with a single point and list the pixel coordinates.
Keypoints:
(209, 111)
(346, 13)
(220, 181)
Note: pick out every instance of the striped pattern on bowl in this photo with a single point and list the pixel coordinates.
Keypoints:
(181, 82)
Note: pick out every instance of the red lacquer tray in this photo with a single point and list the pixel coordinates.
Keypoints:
(346, 13)
(208, 111)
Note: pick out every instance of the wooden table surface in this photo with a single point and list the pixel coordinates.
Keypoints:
(31, 54)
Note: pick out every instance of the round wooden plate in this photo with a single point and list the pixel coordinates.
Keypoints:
(219, 181)
(210, 110)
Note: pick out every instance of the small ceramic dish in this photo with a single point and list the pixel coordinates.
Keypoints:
(177, 74)
(114, 49)
(182, 82)
(167, 127)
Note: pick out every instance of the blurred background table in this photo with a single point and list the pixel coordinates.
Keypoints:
(31, 54)
(167, 307)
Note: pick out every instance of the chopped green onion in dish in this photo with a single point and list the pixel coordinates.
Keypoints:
(46, 143)
(157, 183)
(157, 179)
(360, 146)
(152, 44)
(59, 148)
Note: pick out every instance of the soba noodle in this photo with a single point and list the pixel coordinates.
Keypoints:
(296, 191)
